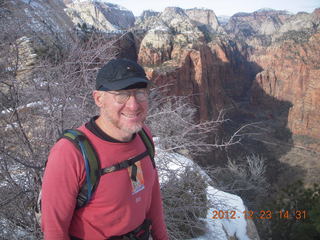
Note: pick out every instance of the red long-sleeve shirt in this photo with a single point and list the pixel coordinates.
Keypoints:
(113, 209)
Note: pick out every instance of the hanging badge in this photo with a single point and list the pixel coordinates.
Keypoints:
(136, 177)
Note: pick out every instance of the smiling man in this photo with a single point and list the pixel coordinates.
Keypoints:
(126, 204)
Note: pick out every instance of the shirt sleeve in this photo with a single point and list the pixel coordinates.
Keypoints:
(61, 181)
(159, 231)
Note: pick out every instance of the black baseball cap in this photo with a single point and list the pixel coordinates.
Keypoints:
(119, 74)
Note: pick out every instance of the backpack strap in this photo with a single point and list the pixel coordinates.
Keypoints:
(124, 164)
(131, 162)
(142, 232)
(91, 162)
(149, 145)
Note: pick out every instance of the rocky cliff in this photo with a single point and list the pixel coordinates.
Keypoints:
(291, 73)
(284, 94)
(174, 51)
(45, 17)
(204, 17)
(30, 28)
(263, 22)
(100, 15)
(283, 52)
(264, 64)
(290, 70)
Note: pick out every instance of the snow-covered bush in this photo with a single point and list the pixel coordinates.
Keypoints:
(185, 203)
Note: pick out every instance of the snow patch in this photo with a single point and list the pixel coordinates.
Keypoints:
(220, 229)
(112, 5)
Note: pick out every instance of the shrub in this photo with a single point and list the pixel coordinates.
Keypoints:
(303, 208)
(185, 203)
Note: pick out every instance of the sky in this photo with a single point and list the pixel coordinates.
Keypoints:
(220, 7)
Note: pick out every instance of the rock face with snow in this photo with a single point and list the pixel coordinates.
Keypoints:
(204, 17)
(264, 22)
(180, 23)
(174, 51)
(45, 17)
(27, 59)
(147, 14)
(100, 14)
(32, 27)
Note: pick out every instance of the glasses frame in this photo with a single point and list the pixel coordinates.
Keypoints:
(134, 92)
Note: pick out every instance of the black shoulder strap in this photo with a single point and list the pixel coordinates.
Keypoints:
(127, 163)
(149, 145)
(91, 162)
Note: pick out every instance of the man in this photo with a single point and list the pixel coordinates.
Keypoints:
(118, 206)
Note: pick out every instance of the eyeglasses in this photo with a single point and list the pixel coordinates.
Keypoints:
(122, 97)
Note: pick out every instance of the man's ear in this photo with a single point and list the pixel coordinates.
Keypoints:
(98, 97)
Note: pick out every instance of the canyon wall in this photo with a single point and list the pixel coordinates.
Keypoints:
(263, 65)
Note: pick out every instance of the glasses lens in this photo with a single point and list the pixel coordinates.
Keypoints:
(122, 97)
(141, 95)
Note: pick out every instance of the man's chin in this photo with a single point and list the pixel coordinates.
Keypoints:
(132, 129)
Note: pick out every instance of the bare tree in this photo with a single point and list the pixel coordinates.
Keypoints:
(41, 94)
(173, 121)
(245, 178)
(185, 202)
(184, 185)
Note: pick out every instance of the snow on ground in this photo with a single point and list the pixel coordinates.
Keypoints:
(28, 105)
(233, 227)
(220, 201)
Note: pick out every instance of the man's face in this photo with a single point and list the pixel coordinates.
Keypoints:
(124, 110)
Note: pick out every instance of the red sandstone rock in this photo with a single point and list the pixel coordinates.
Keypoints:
(291, 73)
(193, 74)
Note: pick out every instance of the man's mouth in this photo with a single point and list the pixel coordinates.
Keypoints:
(131, 116)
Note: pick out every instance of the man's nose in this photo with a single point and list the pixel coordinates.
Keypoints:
(132, 102)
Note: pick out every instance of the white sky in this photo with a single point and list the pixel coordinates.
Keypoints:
(220, 7)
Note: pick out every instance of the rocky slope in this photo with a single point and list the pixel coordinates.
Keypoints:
(45, 17)
(30, 28)
(100, 15)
